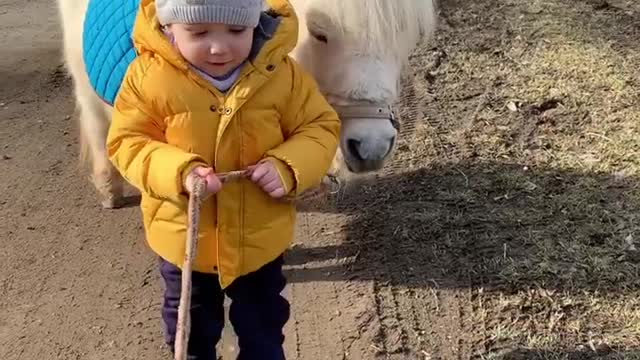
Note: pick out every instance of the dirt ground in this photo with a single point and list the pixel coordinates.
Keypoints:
(506, 226)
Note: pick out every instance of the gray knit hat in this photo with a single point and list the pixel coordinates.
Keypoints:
(231, 12)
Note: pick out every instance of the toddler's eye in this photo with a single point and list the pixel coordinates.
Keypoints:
(237, 30)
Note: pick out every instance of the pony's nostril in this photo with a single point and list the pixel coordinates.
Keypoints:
(354, 149)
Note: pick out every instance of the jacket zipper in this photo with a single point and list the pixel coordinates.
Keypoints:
(215, 166)
(242, 194)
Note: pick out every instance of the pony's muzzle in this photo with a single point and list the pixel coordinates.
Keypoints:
(367, 154)
(369, 134)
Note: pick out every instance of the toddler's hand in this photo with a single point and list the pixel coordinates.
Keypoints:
(265, 175)
(213, 184)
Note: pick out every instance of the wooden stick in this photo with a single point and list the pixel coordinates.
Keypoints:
(184, 315)
(232, 175)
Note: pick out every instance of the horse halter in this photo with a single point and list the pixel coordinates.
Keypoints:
(372, 111)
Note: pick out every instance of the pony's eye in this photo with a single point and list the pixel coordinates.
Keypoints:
(319, 37)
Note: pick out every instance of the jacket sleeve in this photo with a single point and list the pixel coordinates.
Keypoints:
(136, 143)
(311, 128)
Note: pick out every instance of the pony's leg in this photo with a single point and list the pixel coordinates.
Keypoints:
(94, 123)
(93, 113)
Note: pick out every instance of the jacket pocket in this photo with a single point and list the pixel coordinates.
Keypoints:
(179, 131)
(194, 132)
(261, 132)
(150, 207)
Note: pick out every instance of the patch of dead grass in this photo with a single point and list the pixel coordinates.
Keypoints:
(532, 113)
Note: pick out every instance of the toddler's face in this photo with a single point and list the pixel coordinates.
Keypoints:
(214, 48)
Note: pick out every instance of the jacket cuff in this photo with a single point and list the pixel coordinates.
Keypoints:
(185, 173)
(286, 174)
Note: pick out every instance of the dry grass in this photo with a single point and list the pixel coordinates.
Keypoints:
(520, 176)
(551, 86)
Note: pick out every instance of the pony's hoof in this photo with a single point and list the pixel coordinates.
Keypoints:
(111, 195)
(111, 203)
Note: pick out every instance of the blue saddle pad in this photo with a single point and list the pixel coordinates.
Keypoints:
(107, 44)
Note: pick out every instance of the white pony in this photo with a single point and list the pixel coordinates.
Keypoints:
(355, 49)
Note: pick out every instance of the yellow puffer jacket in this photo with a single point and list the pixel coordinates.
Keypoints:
(167, 120)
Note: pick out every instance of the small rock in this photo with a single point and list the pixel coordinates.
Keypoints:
(603, 348)
(512, 106)
(6, 157)
(31, 227)
(601, 5)
(629, 243)
(620, 175)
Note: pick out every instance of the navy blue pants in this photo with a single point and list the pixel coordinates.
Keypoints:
(258, 312)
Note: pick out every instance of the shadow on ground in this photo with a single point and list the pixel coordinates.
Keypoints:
(490, 225)
(577, 355)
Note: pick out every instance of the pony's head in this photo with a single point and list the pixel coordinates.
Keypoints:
(356, 50)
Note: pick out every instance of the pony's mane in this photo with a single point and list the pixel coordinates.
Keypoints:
(385, 26)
